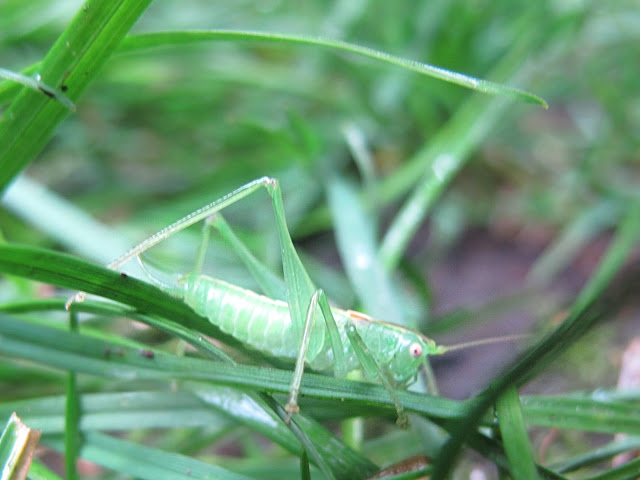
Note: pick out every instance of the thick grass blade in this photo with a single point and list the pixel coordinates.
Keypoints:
(514, 436)
(72, 63)
(88, 355)
(155, 40)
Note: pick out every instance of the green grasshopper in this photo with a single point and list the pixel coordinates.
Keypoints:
(342, 342)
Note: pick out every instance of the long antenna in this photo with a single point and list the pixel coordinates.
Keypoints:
(484, 341)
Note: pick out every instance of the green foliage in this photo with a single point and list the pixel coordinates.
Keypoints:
(349, 105)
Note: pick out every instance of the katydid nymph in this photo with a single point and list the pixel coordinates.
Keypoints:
(342, 342)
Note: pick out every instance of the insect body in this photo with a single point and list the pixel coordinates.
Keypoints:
(265, 324)
(342, 341)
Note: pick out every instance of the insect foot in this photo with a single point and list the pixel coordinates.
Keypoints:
(402, 421)
(291, 408)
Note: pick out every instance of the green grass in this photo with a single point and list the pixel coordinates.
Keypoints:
(349, 106)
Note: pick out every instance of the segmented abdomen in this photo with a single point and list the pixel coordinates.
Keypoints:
(265, 324)
(256, 320)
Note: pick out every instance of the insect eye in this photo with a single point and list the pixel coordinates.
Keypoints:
(415, 350)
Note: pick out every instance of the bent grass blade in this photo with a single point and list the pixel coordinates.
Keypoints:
(154, 40)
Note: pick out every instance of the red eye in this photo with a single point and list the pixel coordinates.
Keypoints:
(415, 350)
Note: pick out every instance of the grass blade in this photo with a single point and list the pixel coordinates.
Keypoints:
(73, 61)
(154, 40)
(514, 436)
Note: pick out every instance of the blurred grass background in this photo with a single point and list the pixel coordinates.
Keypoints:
(160, 132)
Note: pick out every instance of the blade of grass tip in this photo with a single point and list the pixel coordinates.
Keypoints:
(514, 436)
(154, 40)
(74, 60)
(584, 313)
(17, 446)
(72, 415)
